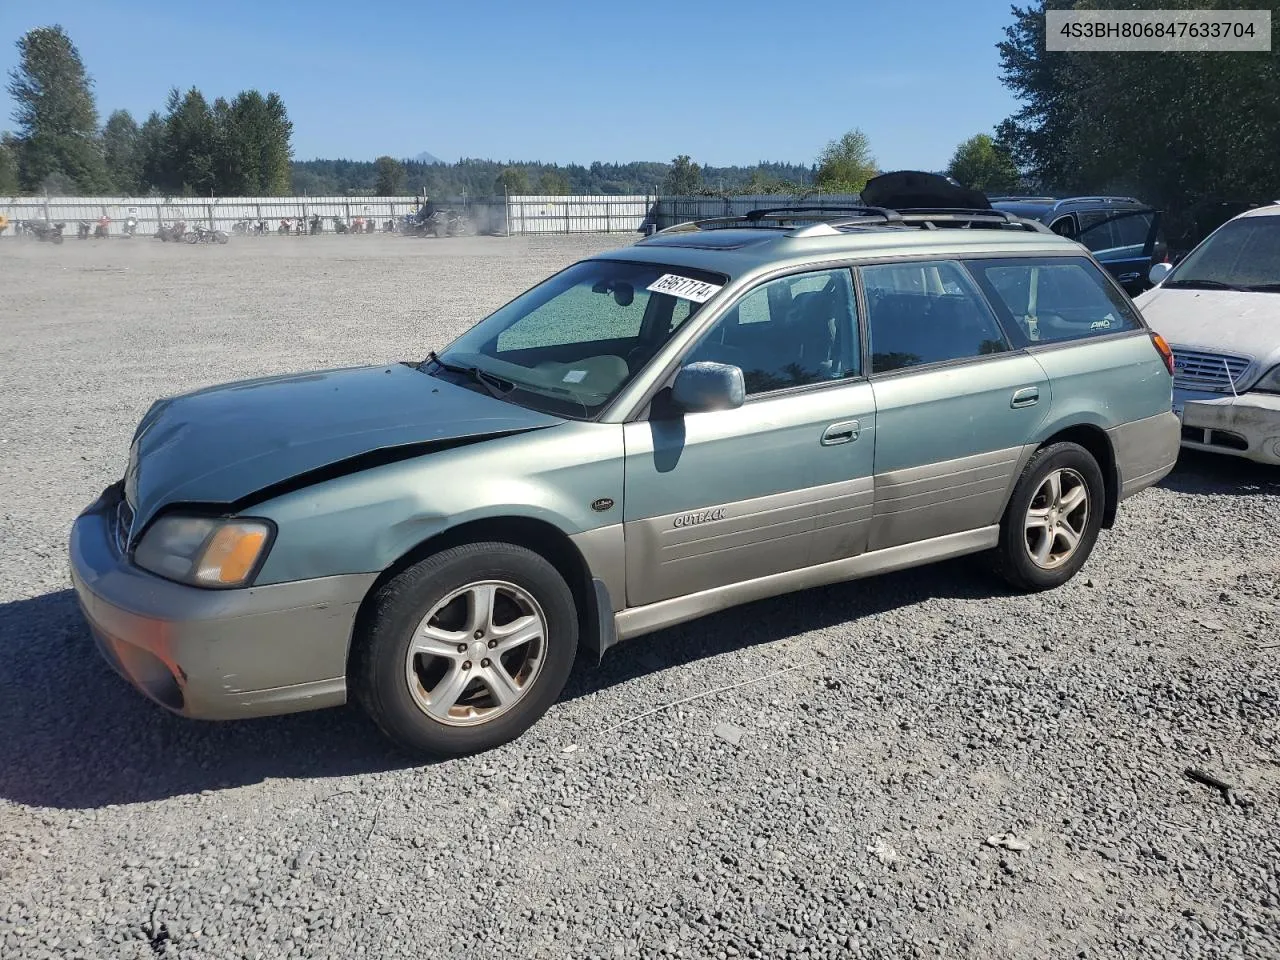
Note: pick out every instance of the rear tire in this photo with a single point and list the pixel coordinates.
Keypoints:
(1053, 518)
(441, 665)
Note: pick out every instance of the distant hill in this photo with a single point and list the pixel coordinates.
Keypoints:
(425, 157)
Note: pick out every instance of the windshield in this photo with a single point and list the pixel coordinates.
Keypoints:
(570, 344)
(1243, 254)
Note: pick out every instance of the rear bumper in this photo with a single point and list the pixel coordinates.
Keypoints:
(1146, 451)
(213, 654)
(1247, 425)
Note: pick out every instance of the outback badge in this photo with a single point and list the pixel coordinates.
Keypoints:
(702, 516)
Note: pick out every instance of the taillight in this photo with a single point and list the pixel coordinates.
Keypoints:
(1165, 352)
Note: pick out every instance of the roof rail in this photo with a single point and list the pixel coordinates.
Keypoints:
(1026, 197)
(926, 218)
(779, 212)
(1063, 200)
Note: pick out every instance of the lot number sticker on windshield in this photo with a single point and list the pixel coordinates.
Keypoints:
(699, 291)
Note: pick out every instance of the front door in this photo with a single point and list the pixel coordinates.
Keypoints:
(782, 482)
(955, 402)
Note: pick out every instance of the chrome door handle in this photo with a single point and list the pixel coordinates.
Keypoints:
(841, 432)
(1026, 397)
(1129, 277)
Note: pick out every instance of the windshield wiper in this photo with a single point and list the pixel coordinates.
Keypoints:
(489, 381)
(1264, 287)
(1203, 285)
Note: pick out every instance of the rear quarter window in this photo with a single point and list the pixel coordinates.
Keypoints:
(1054, 299)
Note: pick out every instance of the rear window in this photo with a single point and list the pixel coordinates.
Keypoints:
(1051, 299)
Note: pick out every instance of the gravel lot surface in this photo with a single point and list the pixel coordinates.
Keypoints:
(945, 769)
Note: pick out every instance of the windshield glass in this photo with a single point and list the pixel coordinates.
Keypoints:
(569, 345)
(1244, 254)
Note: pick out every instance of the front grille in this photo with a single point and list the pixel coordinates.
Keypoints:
(1193, 370)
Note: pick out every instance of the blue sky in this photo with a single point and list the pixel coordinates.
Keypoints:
(556, 81)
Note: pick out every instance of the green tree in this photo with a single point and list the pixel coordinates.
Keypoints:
(512, 181)
(553, 183)
(1039, 134)
(153, 156)
(684, 179)
(8, 165)
(55, 112)
(390, 181)
(981, 163)
(192, 145)
(277, 149)
(1172, 128)
(121, 153)
(846, 164)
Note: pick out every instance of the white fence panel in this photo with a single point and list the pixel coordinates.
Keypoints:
(495, 215)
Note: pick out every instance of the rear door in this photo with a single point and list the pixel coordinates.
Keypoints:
(956, 402)
(1124, 243)
(782, 482)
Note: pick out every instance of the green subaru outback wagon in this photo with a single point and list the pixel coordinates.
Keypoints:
(723, 411)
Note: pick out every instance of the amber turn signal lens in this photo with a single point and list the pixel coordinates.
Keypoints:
(232, 554)
(1165, 352)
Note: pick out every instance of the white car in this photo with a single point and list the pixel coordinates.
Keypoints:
(1219, 309)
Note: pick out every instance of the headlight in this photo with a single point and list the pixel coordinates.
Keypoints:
(1270, 382)
(204, 551)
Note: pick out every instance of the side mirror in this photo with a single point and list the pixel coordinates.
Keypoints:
(1158, 272)
(708, 386)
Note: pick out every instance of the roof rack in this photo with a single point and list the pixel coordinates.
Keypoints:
(837, 218)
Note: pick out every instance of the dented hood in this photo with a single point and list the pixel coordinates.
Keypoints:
(228, 443)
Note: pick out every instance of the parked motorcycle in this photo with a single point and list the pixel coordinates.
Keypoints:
(45, 231)
(199, 234)
(173, 233)
(240, 228)
(83, 229)
(339, 225)
(103, 230)
(130, 228)
(317, 225)
(449, 223)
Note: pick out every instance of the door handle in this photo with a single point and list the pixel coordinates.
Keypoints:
(841, 432)
(1026, 397)
(1129, 277)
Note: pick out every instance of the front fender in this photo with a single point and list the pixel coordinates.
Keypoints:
(364, 522)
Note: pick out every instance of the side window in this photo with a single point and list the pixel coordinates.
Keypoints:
(1131, 229)
(1097, 230)
(788, 332)
(1055, 298)
(926, 313)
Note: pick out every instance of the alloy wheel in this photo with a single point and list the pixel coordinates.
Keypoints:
(476, 653)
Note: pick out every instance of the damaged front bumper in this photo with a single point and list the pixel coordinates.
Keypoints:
(1244, 425)
(213, 654)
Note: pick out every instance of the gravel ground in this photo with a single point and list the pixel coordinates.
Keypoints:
(842, 808)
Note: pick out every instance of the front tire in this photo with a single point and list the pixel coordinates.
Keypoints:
(465, 650)
(1053, 518)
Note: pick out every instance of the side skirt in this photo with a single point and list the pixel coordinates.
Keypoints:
(666, 613)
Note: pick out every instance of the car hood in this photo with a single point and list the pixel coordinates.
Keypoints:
(1243, 323)
(231, 442)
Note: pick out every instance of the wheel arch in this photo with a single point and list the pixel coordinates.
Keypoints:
(1096, 440)
(540, 536)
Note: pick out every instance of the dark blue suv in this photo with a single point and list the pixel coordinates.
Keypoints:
(1122, 233)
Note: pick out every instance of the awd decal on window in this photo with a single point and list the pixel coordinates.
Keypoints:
(686, 288)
